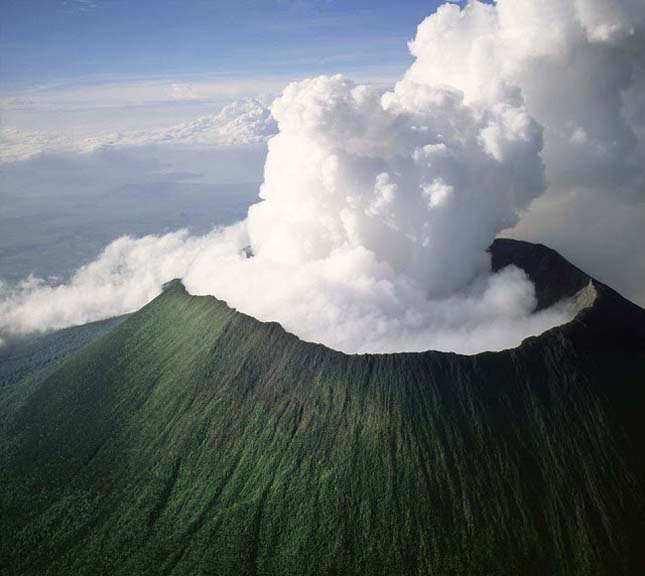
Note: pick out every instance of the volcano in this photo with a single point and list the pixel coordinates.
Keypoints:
(189, 438)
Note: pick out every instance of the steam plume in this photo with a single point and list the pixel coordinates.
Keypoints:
(376, 209)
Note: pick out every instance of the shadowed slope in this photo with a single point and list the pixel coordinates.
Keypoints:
(193, 439)
(27, 361)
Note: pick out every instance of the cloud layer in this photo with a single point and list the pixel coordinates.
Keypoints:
(243, 122)
(376, 209)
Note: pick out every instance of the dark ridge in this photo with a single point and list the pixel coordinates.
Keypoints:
(554, 277)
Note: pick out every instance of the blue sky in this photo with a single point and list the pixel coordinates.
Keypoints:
(47, 41)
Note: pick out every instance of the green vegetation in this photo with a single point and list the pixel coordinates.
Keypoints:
(27, 361)
(192, 439)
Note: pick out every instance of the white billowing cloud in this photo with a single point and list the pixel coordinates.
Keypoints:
(243, 122)
(579, 66)
(571, 62)
(376, 209)
(416, 177)
(128, 273)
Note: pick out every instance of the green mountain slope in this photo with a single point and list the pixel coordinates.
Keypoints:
(192, 439)
(26, 361)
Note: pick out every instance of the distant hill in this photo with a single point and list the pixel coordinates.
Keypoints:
(192, 439)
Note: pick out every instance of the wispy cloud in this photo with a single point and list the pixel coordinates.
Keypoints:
(80, 5)
(79, 94)
(240, 123)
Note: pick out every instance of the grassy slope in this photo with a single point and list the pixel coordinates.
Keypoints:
(26, 362)
(193, 440)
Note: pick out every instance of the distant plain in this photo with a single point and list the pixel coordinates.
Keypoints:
(59, 212)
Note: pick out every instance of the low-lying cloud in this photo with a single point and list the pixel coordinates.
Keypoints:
(349, 301)
(244, 122)
(376, 209)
